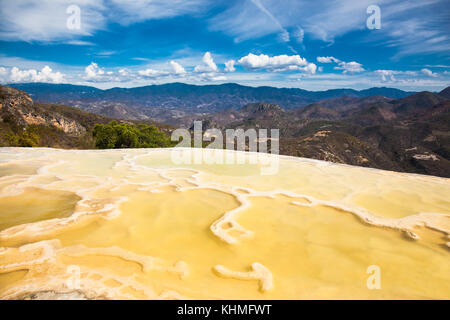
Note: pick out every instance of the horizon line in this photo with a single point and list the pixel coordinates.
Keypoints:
(205, 85)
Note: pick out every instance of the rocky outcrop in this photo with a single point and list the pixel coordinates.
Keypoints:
(18, 107)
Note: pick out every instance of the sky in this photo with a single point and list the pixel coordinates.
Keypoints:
(313, 45)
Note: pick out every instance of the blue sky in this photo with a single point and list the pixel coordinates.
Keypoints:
(314, 45)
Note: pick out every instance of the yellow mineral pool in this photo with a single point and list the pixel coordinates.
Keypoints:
(141, 224)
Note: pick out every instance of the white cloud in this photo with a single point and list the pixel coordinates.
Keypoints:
(416, 27)
(96, 74)
(46, 20)
(106, 53)
(208, 64)
(210, 76)
(386, 74)
(208, 70)
(310, 68)
(152, 73)
(406, 76)
(3, 73)
(283, 35)
(229, 66)
(428, 72)
(177, 68)
(127, 12)
(350, 67)
(322, 20)
(80, 43)
(247, 20)
(140, 59)
(93, 71)
(252, 61)
(389, 75)
(218, 78)
(413, 27)
(327, 59)
(15, 74)
(277, 63)
(45, 75)
(299, 34)
(407, 25)
(347, 67)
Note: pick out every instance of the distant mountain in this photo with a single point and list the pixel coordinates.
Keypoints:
(351, 103)
(316, 111)
(173, 100)
(445, 93)
(410, 134)
(383, 91)
(417, 101)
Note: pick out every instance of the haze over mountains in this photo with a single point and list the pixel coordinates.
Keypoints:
(173, 100)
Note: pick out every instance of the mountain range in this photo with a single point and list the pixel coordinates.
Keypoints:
(170, 101)
(410, 134)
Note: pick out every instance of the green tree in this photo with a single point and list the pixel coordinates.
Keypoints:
(105, 136)
(123, 135)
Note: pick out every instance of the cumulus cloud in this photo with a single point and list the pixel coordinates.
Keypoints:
(46, 74)
(93, 71)
(309, 68)
(208, 70)
(327, 59)
(277, 63)
(208, 64)
(252, 61)
(428, 72)
(404, 76)
(347, 67)
(124, 72)
(350, 67)
(229, 66)
(177, 68)
(386, 74)
(210, 76)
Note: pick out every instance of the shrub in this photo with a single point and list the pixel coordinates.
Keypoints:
(123, 135)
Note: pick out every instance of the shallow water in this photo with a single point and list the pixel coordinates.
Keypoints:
(131, 224)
